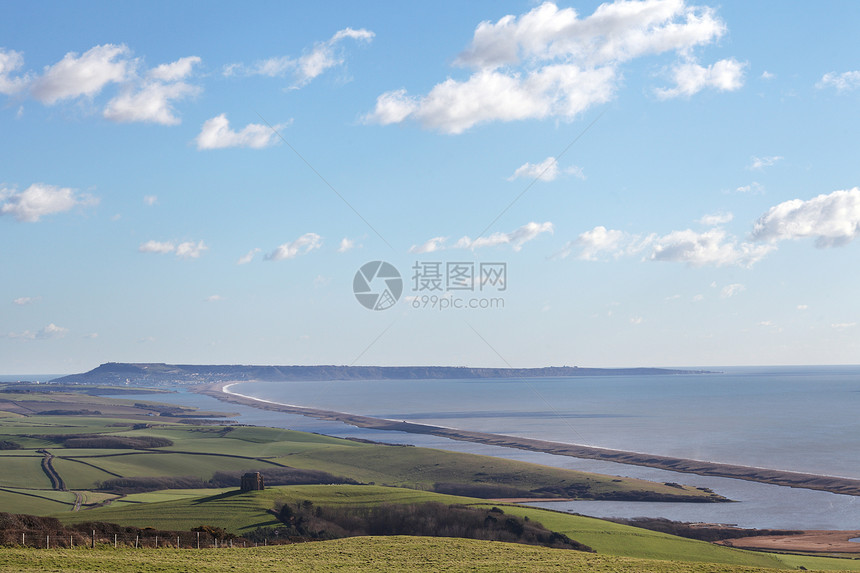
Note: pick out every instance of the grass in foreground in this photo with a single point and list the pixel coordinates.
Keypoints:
(357, 554)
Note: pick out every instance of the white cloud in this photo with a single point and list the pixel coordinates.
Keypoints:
(153, 103)
(25, 300)
(310, 65)
(759, 163)
(83, 75)
(716, 219)
(301, 246)
(50, 331)
(217, 134)
(698, 298)
(843, 82)
(174, 71)
(833, 219)
(549, 62)
(802, 307)
(712, 247)
(690, 78)
(214, 298)
(731, 290)
(185, 250)
(157, 247)
(766, 75)
(547, 170)
(11, 61)
(346, 244)
(190, 249)
(516, 238)
(39, 200)
(843, 325)
(150, 199)
(248, 257)
(323, 56)
(430, 246)
(562, 90)
(755, 188)
(597, 241)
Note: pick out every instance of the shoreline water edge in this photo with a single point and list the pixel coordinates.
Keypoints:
(833, 484)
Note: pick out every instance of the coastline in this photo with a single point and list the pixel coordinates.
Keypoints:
(833, 484)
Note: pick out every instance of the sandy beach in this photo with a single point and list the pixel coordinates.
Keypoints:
(228, 392)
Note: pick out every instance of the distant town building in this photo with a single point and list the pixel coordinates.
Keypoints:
(252, 481)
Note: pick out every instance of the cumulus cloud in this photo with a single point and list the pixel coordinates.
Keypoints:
(716, 219)
(25, 300)
(301, 246)
(174, 71)
(248, 257)
(150, 199)
(39, 200)
(430, 246)
(516, 238)
(50, 331)
(546, 170)
(597, 241)
(190, 249)
(346, 244)
(832, 219)
(217, 134)
(310, 65)
(157, 247)
(846, 81)
(153, 103)
(185, 250)
(754, 188)
(759, 163)
(214, 298)
(151, 99)
(731, 290)
(83, 75)
(549, 62)
(10, 62)
(690, 78)
(712, 247)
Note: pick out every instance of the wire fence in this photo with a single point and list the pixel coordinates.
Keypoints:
(42, 539)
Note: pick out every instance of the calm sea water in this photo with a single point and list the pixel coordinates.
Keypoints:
(801, 418)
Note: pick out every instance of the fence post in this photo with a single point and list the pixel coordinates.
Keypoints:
(177, 542)
(93, 545)
(23, 539)
(198, 540)
(114, 540)
(71, 542)
(215, 541)
(136, 539)
(47, 541)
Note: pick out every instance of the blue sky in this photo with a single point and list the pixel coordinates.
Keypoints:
(666, 183)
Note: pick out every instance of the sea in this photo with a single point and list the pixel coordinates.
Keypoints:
(798, 418)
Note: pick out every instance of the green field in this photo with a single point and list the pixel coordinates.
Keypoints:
(388, 474)
(357, 554)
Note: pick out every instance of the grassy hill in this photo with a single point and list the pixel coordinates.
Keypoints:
(357, 554)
